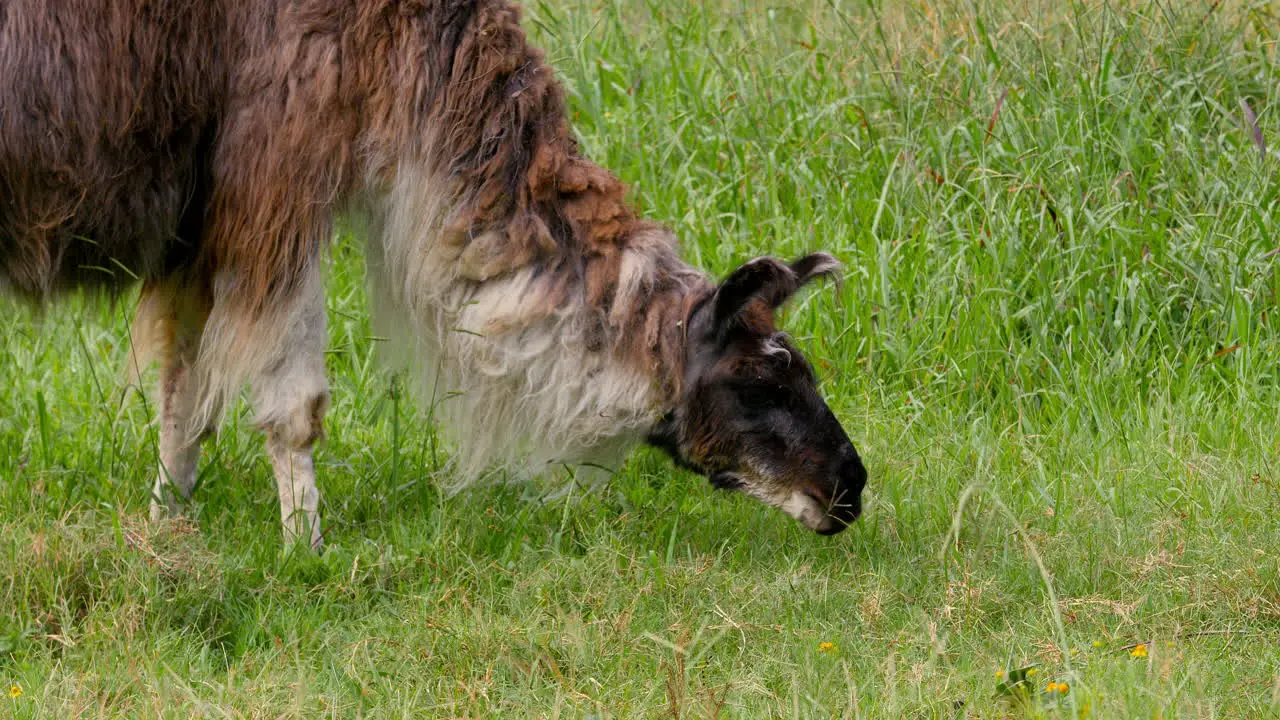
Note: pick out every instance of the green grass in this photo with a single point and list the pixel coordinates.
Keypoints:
(1055, 347)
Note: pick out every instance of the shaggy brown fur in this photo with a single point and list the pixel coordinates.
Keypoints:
(142, 138)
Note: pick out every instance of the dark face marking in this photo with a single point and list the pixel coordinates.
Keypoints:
(750, 417)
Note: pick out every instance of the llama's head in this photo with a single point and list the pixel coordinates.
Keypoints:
(749, 415)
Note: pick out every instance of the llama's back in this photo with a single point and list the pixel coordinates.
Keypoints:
(107, 111)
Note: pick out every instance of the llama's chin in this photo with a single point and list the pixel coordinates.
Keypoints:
(806, 509)
(811, 513)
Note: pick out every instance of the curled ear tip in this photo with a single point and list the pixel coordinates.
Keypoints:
(829, 262)
(819, 263)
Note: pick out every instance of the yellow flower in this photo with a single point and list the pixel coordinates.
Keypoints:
(1097, 643)
(1051, 687)
(828, 647)
(15, 691)
(1139, 651)
(999, 674)
(1032, 672)
(1063, 688)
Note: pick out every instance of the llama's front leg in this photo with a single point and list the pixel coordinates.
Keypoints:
(177, 320)
(179, 444)
(291, 401)
(295, 473)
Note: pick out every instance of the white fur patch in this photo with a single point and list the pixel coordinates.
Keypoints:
(804, 508)
(509, 376)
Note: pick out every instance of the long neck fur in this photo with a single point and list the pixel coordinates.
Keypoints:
(545, 320)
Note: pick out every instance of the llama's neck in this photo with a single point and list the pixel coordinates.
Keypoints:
(520, 283)
(654, 293)
(568, 356)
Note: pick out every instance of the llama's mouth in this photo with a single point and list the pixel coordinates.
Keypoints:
(812, 512)
(825, 517)
(808, 507)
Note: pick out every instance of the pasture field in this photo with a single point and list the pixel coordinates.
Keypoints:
(1055, 347)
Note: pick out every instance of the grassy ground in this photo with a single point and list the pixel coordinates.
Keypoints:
(1055, 347)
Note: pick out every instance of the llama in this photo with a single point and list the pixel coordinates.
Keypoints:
(206, 148)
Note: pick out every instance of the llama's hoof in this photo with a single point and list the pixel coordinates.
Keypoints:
(162, 511)
(294, 541)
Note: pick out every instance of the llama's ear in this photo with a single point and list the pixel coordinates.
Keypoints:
(766, 278)
(770, 280)
(817, 265)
